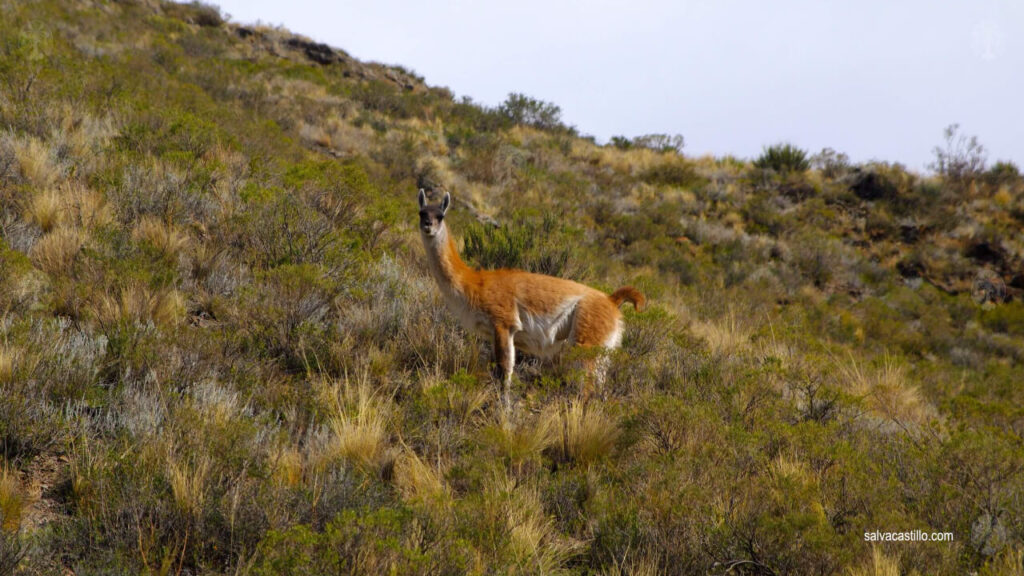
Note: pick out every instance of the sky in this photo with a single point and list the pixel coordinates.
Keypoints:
(875, 79)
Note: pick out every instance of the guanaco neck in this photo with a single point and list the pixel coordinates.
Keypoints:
(446, 266)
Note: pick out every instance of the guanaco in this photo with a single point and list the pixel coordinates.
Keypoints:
(538, 314)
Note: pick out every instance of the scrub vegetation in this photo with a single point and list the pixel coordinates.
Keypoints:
(221, 352)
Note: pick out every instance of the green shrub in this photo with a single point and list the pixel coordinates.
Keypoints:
(657, 142)
(679, 173)
(522, 109)
(1007, 318)
(379, 541)
(783, 158)
(543, 247)
(1003, 172)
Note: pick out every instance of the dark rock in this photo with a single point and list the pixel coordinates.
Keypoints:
(319, 53)
(910, 232)
(868, 184)
(244, 32)
(986, 252)
(910, 267)
(1017, 280)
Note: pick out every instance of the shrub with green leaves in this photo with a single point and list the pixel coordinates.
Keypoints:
(783, 158)
(523, 109)
(543, 246)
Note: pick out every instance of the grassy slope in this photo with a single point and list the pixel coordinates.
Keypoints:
(220, 352)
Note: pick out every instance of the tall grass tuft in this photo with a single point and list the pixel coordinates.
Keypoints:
(36, 161)
(13, 500)
(534, 543)
(55, 253)
(880, 564)
(6, 364)
(165, 238)
(418, 481)
(359, 423)
(886, 393)
(45, 210)
(188, 479)
(588, 432)
(523, 439)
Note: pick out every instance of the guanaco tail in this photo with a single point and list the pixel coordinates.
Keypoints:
(538, 314)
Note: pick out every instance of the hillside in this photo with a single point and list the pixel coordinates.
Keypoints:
(221, 351)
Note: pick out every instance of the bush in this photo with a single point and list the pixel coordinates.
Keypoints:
(783, 158)
(677, 172)
(1003, 172)
(198, 13)
(961, 158)
(542, 247)
(383, 541)
(832, 164)
(522, 109)
(1006, 318)
(656, 142)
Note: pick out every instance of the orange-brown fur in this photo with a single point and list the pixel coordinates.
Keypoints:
(518, 309)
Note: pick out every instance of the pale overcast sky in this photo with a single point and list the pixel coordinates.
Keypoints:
(877, 79)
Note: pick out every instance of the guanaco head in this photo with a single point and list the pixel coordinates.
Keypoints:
(432, 217)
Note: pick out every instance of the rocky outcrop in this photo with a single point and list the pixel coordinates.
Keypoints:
(284, 44)
(319, 53)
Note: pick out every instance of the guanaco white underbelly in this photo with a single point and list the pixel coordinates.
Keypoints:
(546, 335)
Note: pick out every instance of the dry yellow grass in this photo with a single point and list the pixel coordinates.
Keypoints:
(632, 161)
(219, 404)
(1003, 198)
(316, 134)
(525, 439)
(886, 392)
(6, 364)
(789, 468)
(163, 236)
(45, 210)
(533, 540)
(288, 466)
(13, 501)
(188, 481)
(1010, 562)
(348, 139)
(86, 208)
(360, 425)
(36, 163)
(588, 433)
(418, 481)
(55, 252)
(86, 134)
(880, 564)
(725, 335)
(135, 303)
(634, 566)
(72, 204)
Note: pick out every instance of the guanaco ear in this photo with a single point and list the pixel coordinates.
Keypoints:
(444, 203)
(423, 199)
